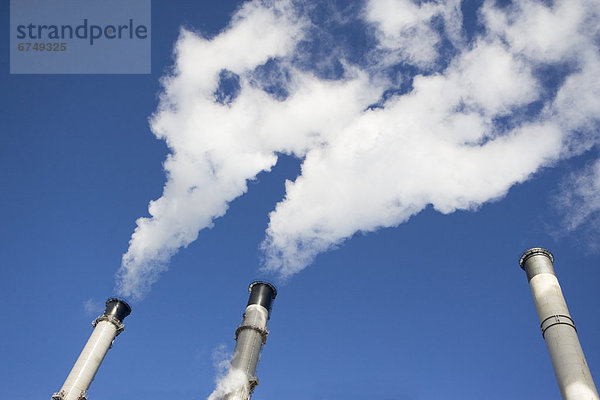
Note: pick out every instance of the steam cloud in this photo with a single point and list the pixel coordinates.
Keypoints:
(228, 380)
(423, 113)
(579, 202)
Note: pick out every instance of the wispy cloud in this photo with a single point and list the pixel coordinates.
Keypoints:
(578, 201)
(93, 307)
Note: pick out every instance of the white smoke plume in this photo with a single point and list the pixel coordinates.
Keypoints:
(93, 307)
(228, 380)
(579, 203)
(425, 113)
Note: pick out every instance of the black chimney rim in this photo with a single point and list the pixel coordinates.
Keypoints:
(121, 301)
(263, 283)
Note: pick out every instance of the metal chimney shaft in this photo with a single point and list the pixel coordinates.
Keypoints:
(558, 329)
(106, 328)
(251, 335)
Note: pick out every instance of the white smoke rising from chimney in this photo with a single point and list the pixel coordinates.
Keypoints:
(235, 381)
(463, 121)
(228, 380)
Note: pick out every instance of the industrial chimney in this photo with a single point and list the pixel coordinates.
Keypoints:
(107, 327)
(250, 337)
(558, 329)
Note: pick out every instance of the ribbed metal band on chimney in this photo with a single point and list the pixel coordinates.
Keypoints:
(106, 327)
(558, 328)
(251, 335)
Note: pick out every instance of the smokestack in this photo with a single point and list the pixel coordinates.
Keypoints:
(558, 329)
(106, 328)
(250, 337)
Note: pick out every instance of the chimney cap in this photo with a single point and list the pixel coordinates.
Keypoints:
(263, 283)
(533, 252)
(117, 308)
(262, 293)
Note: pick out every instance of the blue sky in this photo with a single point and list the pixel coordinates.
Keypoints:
(420, 300)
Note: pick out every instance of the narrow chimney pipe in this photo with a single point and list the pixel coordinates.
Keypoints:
(250, 337)
(558, 329)
(106, 327)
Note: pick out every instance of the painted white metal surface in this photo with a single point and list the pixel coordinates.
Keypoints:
(571, 369)
(250, 337)
(84, 370)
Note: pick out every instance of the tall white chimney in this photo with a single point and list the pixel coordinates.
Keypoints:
(106, 328)
(250, 337)
(558, 329)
